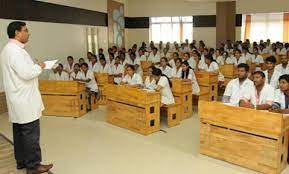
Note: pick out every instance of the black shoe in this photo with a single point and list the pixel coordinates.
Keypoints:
(20, 166)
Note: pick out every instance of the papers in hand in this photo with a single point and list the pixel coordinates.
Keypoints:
(50, 64)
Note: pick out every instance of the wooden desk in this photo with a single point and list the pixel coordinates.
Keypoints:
(134, 109)
(103, 79)
(257, 140)
(208, 83)
(182, 91)
(63, 98)
(229, 71)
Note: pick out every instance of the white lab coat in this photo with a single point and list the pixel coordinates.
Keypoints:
(280, 98)
(117, 70)
(177, 73)
(154, 58)
(63, 76)
(282, 70)
(92, 85)
(136, 79)
(69, 68)
(20, 78)
(150, 84)
(167, 71)
(195, 85)
(214, 67)
(167, 97)
(274, 82)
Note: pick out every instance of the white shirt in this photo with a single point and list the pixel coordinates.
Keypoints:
(167, 71)
(236, 91)
(282, 70)
(281, 51)
(69, 68)
(94, 67)
(177, 73)
(249, 57)
(20, 79)
(258, 60)
(136, 79)
(89, 75)
(214, 67)
(63, 76)
(101, 69)
(231, 60)
(195, 85)
(242, 59)
(73, 75)
(274, 82)
(172, 63)
(220, 60)
(150, 84)
(154, 58)
(280, 98)
(143, 58)
(117, 70)
(167, 97)
(266, 95)
(52, 76)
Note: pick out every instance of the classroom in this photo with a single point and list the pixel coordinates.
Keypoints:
(137, 87)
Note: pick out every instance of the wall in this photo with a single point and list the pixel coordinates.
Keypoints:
(262, 6)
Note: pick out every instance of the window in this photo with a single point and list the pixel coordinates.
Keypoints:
(263, 26)
(171, 29)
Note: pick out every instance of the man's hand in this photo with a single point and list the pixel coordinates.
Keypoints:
(41, 64)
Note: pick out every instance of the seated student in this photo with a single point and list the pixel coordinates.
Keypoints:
(177, 70)
(212, 66)
(69, 66)
(61, 75)
(76, 71)
(93, 65)
(164, 67)
(81, 61)
(142, 56)
(87, 76)
(281, 100)
(262, 97)
(52, 75)
(164, 86)
(154, 56)
(283, 68)
(272, 76)
(172, 62)
(165, 53)
(132, 79)
(122, 58)
(117, 70)
(238, 87)
(190, 60)
(259, 61)
(219, 58)
(229, 58)
(102, 66)
(188, 74)
(281, 50)
(150, 82)
(239, 58)
(110, 60)
(133, 61)
(249, 57)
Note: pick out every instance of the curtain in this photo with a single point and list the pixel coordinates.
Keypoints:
(247, 27)
(286, 27)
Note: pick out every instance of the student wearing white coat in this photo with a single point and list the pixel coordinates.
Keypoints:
(281, 100)
(150, 82)
(132, 78)
(117, 70)
(262, 97)
(283, 67)
(164, 87)
(177, 70)
(165, 68)
(188, 74)
(68, 67)
(20, 78)
(61, 75)
(272, 76)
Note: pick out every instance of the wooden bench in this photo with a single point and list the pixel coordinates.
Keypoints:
(63, 98)
(145, 67)
(134, 109)
(229, 71)
(182, 91)
(208, 83)
(173, 114)
(257, 140)
(103, 79)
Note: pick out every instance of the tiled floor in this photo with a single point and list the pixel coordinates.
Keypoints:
(89, 145)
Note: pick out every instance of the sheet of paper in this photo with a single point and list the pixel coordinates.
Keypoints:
(50, 64)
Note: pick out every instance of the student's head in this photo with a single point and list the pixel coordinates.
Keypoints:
(255, 51)
(284, 60)
(150, 70)
(270, 62)
(209, 59)
(284, 82)
(163, 62)
(130, 70)
(89, 55)
(18, 30)
(155, 50)
(175, 55)
(132, 56)
(141, 51)
(93, 59)
(102, 61)
(100, 51)
(122, 56)
(81, 61)
(70, 60)
(60, 67)
(218, 52)
(178, 62)
(259, 78)
(243, 71)
(206, 51)
(186, 56)
(157, 73)
(76, 67)
(185, 66)
(238, 53)
(84, 67)
(111, 56)
(225, 54)
(117, 60)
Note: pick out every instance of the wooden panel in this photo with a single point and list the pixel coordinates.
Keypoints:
(181, 86)
(251, 151)
(228, 70)
(3, 104)
(186, 102)
(145, 65)
(60, 87)
(206, 78)
(103, 78)
(242, 119)
(173, 114)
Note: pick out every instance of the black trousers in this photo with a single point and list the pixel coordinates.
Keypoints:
(26, 144)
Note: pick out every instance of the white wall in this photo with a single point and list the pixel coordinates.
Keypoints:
(136, 36)
(207, 34)
(262, 6)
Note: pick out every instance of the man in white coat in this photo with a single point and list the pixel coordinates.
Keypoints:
(20, 78)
